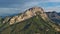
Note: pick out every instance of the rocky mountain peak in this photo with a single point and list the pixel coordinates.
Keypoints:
(22, 23)
(28, 14)
(36, 9)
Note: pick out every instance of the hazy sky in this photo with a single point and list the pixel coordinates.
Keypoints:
(16, 6)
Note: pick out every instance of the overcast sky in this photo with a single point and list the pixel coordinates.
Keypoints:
(17, 6)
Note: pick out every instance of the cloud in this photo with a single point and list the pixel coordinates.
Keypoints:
(7, 11)
(50, 1)
(55, 8)
(48, 6)
(30, 4)
(53, 0)
(16, 6)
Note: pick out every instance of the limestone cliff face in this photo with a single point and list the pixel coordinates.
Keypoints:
(28, 14)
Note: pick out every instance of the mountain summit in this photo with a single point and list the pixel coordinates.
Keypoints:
(27, 14)
(32, 21)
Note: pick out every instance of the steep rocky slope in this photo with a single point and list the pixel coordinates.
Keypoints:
(32, 21)
(26, 15)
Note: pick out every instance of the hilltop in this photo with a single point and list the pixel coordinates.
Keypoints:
(33, 21)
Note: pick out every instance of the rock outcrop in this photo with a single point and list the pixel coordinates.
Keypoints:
(28, 14)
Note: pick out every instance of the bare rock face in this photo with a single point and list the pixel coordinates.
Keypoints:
(28, 14)
(6, 19)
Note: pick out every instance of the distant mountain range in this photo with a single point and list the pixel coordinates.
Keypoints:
(54, 16)
(33, 21)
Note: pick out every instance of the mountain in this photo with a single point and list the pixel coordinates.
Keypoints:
(32, 21)
(54, 16)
